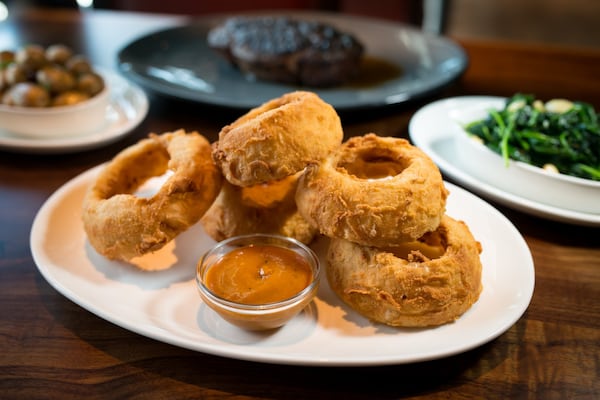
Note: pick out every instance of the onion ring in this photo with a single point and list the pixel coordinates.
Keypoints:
(263, 208)
(374, 191)
(121, 225)
(277, 139)
(434, 282)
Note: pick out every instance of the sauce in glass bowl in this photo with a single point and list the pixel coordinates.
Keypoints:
(260, 281)
(259, 274)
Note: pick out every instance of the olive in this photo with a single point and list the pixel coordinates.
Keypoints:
(6, 57)
(31, 57)
(90, 83)
(58, 53)
(56, 79)
(69, 98)
(27, 94)
(78, 65)
(15, 73)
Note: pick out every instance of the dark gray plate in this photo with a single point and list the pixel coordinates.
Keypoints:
(177, 62)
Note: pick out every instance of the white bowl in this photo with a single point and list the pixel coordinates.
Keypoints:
(519, 178)
(54, 122)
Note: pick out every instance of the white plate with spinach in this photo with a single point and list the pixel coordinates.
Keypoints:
(438, 129)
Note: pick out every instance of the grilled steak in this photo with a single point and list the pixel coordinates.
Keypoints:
(288, 50)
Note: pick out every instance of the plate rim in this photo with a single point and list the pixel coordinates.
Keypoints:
(233, 351)
(104, 136)
(397, 98)
(424, 140)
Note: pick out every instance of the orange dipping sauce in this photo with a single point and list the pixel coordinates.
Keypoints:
(259, 274)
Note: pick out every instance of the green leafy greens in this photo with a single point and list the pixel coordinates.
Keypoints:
(527, 130)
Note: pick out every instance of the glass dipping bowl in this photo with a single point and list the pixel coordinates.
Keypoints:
(258, 316)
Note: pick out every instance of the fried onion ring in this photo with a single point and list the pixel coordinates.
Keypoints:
(264, 208)
(374, 191)
(277, 139)
(121, 225)
(429, 282)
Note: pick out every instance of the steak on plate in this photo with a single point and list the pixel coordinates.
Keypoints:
(288, 50)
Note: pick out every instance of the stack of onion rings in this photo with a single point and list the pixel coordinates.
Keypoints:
(261, 155)
(372, 197)
(394, 255)
(121, 225)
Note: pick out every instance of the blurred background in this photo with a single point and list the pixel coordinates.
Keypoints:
(574, 23)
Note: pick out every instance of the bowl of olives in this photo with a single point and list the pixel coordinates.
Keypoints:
(50, 92)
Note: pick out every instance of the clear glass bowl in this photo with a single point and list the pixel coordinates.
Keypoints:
(258, 316)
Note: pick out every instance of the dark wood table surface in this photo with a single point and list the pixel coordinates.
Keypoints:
(52, 348)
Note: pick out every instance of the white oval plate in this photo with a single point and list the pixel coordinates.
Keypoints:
(128, 106)
(177, 62)
(434, 130)
(165, 306)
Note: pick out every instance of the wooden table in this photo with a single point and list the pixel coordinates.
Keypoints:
(52, 348)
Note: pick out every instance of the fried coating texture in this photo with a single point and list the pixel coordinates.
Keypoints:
(263, 208)
(277, 139)
(428, 282)
(373, 190)
(121, 225)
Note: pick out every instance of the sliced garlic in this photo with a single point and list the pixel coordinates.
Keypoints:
(539, 106)
(516, 105)
(559, 106)
(476, 138)
(551, 168)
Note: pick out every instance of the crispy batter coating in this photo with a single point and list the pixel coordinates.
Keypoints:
(428, 282)
(277, 139)
(264, 208)
(121, 225)
(373, 190)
